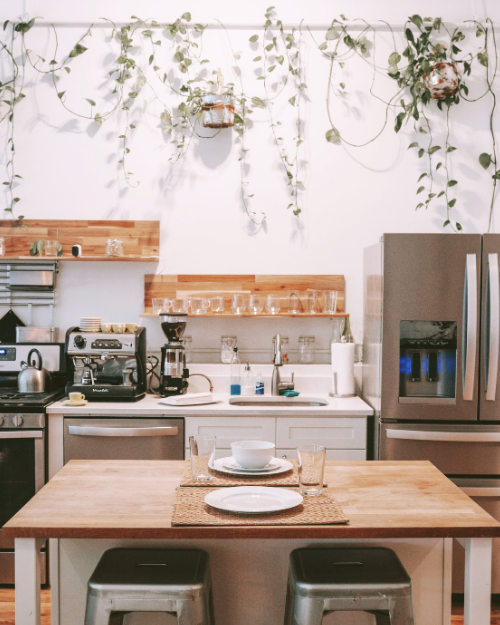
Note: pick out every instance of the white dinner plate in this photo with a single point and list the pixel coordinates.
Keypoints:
(218, 465)
(253, 499)
(230, 463)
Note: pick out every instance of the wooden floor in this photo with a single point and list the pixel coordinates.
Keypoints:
(7, 608)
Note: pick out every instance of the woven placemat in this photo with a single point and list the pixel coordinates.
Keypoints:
(290, 478)
(190, 509)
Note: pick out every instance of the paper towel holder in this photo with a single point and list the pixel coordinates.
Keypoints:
(334, 383)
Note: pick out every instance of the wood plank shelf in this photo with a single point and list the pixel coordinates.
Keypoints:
(141, 239)
(230, 315)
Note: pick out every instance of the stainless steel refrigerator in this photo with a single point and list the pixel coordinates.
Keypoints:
(431, 359)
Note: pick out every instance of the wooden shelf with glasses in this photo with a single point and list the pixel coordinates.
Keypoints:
(160, 286)
(141, 239)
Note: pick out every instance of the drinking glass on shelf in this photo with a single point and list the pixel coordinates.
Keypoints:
(179, 305)
(313, 302)
(311, 467)
(161, 305)
(114, 247)
(273, 305)
(50, 248)
(217, 304)
(330, 302)
(239, 304)
(199, 305)
(227, 345)
(256, 303)
(202, 448)
(294, 303)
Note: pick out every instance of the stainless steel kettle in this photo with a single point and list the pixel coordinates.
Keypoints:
(33, 378)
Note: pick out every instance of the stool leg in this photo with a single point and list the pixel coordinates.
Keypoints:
(117, 618)
(96, 612)
(382, 618)
(305, 611)
(194, 612)
(401, 611)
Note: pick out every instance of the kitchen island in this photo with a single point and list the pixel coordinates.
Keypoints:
(409, 506)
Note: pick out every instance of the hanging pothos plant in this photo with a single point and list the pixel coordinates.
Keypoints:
(427, 66)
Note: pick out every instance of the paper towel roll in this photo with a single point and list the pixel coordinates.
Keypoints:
(343, 369)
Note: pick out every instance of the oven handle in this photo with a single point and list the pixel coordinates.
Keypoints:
(445, 437)
(21, 434)
(480, 491)
(78, 430)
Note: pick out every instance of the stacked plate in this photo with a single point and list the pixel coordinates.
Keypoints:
(90, 324)
(230, 466)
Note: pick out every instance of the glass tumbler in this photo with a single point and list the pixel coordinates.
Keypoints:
(239, 304)
(330, 302)
(161, 305)
(179, 305)
(50, 248)
(313, 302)
(311, 466)
(217, 304)
(306, 349)
(273, 305)
(256, 303)
(227, 345)
(199, 305)
(202, 448)
(294, 304)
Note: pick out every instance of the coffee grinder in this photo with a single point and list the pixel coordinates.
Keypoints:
(174, 375)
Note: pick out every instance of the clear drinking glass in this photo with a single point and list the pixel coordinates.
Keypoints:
(313, 302)
(273, 305)
(311, 466)
(294, 304)
(202, 449)
(179, 305)
(227, 345)
(239, 305)
(330, 302)
(307, 349)
(114, 247)
(256, 303)
(217, 304)
(199, 305)
(161, 305)
(50, 248)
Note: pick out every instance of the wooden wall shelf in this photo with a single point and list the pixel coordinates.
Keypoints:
(141, 239)
(172, 286)
(263, 315)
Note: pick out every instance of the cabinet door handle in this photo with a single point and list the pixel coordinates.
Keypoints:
(79, 430)
(492, 326)
(470, 324)
(444, 437)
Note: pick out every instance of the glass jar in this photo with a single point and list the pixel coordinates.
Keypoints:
(2, 246)
(284, 349)
(227, 345)
(218, 111)
(187, 341)
(442, 80)
(114, 247)
(306, 349)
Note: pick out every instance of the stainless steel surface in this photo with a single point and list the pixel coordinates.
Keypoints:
(97, 343)
(7, 567)
(492, 327)
(15, 292)
(150, 438)
(4, 434)
(31, 278)
(13, 354)
(453, 449)
(78, 430)
(33, 378)
(278, 362)
(277, 401)
(28, 420)
(32, 334)
(469, 356)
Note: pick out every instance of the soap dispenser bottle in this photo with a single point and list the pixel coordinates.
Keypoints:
(235, 374)
(248, 381)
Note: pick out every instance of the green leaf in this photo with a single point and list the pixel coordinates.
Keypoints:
(98, 119)
(270, 47)
(417, 20)
(323, 46)
(496, 175)
(292, 100)
(77, 50)
(420, 189)
(422, 176)
(60, 94)
(485, 160)
(394, 59)
(147, 33)
(333, 136)
(459, 227)
(421, 152)
(272, 68)
(446, 223)
(52, 62)
(452, 183)
(257, 58)
(151, 58)
(91, 102)
(178, 57)
(331, 34)
(450, 149)
(280, 59)
(440, 193)
(482, 57)
(434, 148)
(186, 16)
(438, 166)
(413, 145)
(409, 35)
(199, 28)
(253, 38)
(452, 203)
(258, 102)
(132, 94)
(399, 121)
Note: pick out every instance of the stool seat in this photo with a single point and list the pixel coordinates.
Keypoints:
(175, 581)
(365, 579)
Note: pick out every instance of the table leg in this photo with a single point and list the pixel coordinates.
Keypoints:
(27, 580)
(477, 606)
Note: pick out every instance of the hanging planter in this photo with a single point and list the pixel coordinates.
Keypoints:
(442, 80)
(218, 111)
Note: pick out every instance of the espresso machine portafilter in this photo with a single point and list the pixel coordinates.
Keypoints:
(174, 375)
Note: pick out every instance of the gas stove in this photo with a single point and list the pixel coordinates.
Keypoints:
(12, 400)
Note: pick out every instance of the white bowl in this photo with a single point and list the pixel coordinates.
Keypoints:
(253, 454)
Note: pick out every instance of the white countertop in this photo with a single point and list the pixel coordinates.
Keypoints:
(150, 406)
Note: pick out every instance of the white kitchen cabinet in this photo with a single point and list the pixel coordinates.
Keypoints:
(331, 432)
(331, 454)
(231, 429)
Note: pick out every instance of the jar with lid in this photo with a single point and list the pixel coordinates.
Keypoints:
(306, 349)
(114, 247)
(284, 349)
(187, 341)
(227, 345)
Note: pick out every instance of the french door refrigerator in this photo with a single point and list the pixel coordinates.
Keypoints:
(431, 359)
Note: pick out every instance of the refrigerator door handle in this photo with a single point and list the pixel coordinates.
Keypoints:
(444, 437)
(480, 491)
(492, 325)
(470, 323)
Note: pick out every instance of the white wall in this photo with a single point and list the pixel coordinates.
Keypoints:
(353, 196)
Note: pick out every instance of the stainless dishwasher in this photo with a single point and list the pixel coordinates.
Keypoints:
(123, 438)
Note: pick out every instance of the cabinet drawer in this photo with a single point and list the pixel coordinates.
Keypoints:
(332, 433)
(231, 429)
(331, 454)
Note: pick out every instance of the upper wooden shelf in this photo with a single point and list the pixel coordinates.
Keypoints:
(141, 239)
(262, 315)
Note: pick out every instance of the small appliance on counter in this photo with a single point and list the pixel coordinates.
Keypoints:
(174, 375)
(23, 435)
(106, 366)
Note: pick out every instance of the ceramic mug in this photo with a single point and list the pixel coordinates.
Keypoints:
(131, 327)
(179, 305)
(119, 327)
(76, 397)
(199, 305)
(106, 327)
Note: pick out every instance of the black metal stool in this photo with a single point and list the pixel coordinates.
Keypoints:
(367, 579)
(176, 581)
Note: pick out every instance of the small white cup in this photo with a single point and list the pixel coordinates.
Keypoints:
(76, 397)
(106, 327)
(253, 454)
(131, 327)
(119, 327)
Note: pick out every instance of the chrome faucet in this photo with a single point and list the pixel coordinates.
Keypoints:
(206, 378)
(276, 384)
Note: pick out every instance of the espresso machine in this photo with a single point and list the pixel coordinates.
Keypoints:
(174, 375)
(106, 366)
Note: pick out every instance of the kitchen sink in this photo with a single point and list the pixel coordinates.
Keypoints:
(277, 401)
